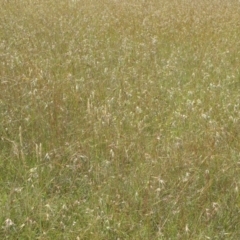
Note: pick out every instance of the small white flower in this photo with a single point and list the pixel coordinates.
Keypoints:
(9, 223)
(138, 110)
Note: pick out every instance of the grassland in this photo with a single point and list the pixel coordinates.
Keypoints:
(119, 119)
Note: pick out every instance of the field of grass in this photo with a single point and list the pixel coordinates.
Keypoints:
(119, 119)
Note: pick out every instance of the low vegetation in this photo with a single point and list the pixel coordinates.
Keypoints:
(119, 119)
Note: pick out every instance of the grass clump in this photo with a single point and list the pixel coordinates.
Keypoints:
(119, 119)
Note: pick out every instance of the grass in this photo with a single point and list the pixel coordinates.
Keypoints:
(119, 119)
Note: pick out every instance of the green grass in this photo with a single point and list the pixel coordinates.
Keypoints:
(119, 119)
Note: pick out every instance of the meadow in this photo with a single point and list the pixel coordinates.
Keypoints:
(119, 120)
